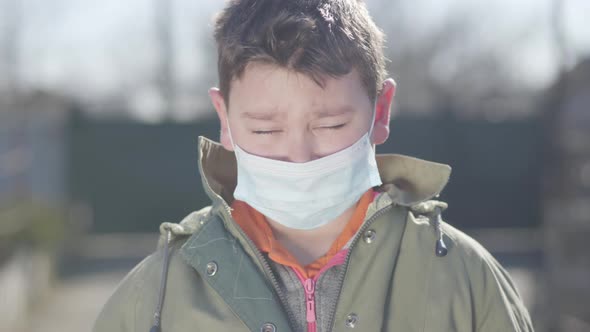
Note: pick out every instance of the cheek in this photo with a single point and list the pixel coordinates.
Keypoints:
(338, 140)
(255, 144)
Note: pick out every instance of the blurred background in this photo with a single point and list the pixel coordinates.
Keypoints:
(101, 104)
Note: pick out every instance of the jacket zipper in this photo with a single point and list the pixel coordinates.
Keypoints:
(361, 231)
(309, 285)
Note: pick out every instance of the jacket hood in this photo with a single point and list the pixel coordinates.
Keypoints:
(408, 181)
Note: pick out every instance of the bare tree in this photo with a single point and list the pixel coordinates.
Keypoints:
(165, 41)
(11, 16)
(450, 66)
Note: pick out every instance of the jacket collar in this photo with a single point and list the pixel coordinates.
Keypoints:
(407, 180)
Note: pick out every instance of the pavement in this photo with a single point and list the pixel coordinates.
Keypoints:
(74, 303)
(89, 272)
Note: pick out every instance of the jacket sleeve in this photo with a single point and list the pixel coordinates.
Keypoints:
(119, 312)
(498, 306)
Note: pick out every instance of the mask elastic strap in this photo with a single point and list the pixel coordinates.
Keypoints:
(229, 132)
(373, 119)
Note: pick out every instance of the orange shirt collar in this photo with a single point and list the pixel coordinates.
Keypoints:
(258, 230)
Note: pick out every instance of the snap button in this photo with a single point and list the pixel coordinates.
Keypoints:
(268, 327)
(369, 236)
(211, 268)
(351, 320)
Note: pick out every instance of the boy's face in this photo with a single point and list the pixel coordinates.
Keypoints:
(280, 114)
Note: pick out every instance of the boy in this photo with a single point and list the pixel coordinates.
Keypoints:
(308, 229)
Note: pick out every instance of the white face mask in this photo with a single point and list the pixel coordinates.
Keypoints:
(311, 194)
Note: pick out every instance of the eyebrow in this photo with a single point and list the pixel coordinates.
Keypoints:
(267, 116)
(324, 113)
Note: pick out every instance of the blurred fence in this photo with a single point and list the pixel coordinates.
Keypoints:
(135, 176)
(566, 198)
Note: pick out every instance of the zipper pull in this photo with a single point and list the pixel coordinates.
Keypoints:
(310, 299)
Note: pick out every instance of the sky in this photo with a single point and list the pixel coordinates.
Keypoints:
(98, 49)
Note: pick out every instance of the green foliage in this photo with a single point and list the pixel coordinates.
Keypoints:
(38, 224)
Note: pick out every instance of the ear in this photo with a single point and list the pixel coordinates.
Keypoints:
(383, 112)
(219, 104)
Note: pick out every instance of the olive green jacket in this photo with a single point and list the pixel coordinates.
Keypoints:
(216, 279)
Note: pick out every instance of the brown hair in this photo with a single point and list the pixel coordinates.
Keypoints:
(318, 38)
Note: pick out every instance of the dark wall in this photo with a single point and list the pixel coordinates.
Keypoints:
(135, 176)
(495, 180)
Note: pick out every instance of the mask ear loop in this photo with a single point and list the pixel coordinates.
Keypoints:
(229, 132)
(236, 148)
(373, 117)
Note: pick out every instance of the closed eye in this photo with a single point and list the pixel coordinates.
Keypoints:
(265, 132)
(338, 126)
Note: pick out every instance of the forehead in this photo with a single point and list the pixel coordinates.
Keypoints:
(270, 88)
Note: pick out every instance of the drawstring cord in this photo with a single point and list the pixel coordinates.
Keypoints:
(433, 210)
(441, 248)
(158, 313)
